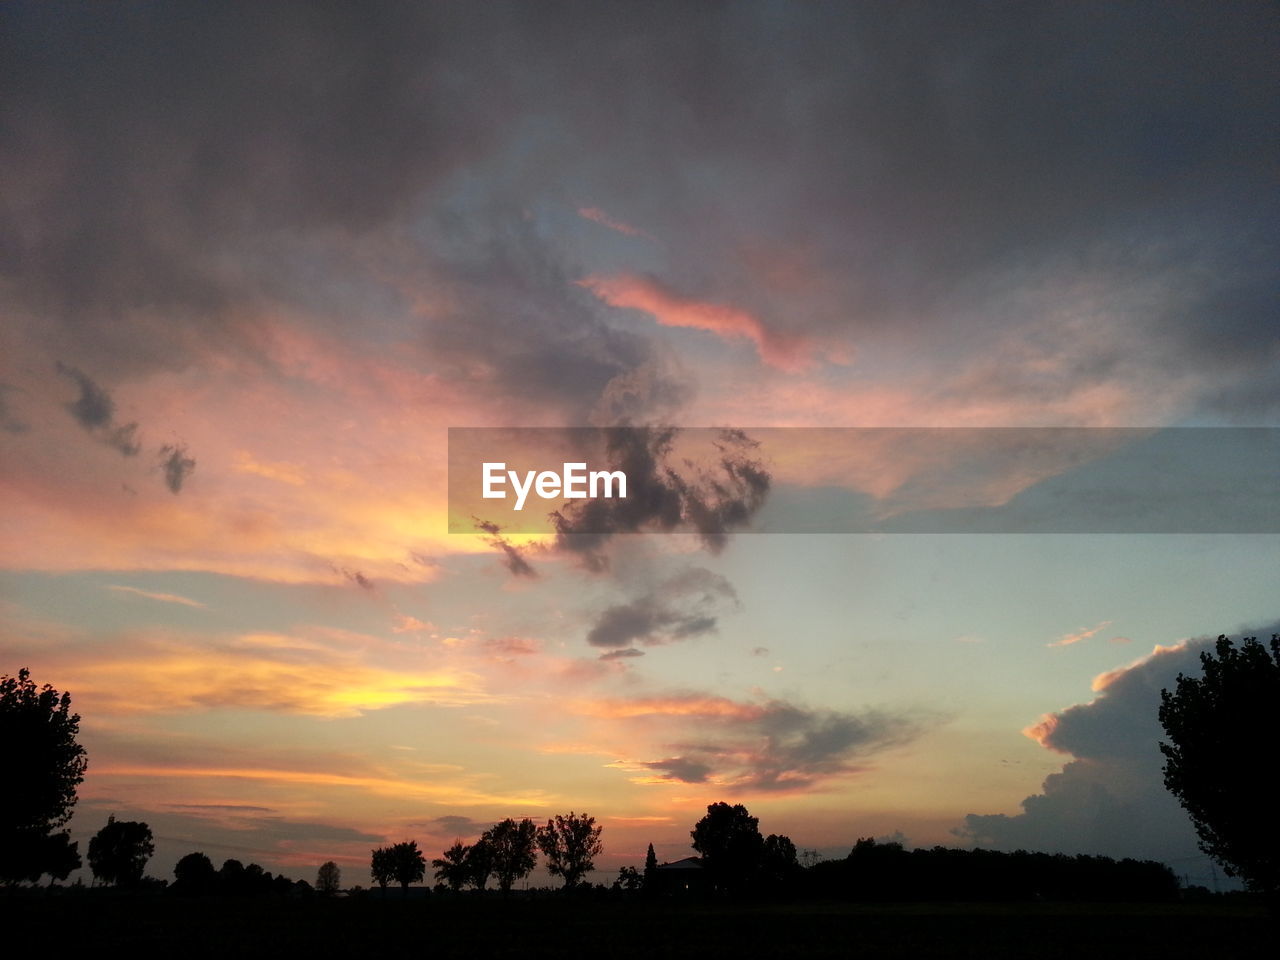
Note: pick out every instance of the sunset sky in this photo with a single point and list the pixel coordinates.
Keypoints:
(256, 260)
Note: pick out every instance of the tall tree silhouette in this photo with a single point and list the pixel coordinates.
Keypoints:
(728, 838)
(514, 850)
(452, 866)
(380, 867)
(479, 861)
(328, 879)
(570, 845)
(408, 865)
(118, 853)
(1219, 758)
(44, 764)
(778, 859)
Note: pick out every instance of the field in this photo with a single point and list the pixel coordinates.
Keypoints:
(442, 927)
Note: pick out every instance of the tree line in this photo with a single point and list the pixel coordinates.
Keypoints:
(1217, 725)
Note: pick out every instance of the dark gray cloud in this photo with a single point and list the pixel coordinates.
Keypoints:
(176, 464)
(843, 172)
(513, 556)
(95, 411)
(778, 745)
(710, 498)
(680, 608)
(625, 653)
(287, 149)
(359, 579)
(802, 746)
(681, 769)
(1110, 797)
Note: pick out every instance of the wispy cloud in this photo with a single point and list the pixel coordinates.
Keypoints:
(1068, 639)
(671, 309)
(161, 597)
(264, 672)
(769, 745)
(596, 215)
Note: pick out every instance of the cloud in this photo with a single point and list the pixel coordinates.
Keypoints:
(359, 579)
(596, 215)
(505, 648)
(452, 825)
(678, 609)
(257, 672)
(176, 464)
(625, 653)
(769, 745)
(219, 807)
(679, 768)
(513, 557)
(1067, 639)
(459, 790)
(714, 500)
(648, 294)
(161, 597)
(933, 190)
(95, 411)
(1110, 797)
(289, 831)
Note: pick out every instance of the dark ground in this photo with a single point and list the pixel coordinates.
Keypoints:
(444, 927)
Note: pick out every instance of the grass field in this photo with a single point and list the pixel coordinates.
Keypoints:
(442, 927)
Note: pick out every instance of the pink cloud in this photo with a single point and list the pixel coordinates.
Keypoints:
(789, 352)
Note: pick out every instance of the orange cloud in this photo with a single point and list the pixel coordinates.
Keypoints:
(1104, 680)
(641, 292)
(346, 473)
(437, 792)
(1041, 732)
(258, 672)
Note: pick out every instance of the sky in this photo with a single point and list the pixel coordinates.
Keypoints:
(256, 260)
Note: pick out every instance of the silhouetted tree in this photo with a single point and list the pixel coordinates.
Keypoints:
(381, 868)
(778, 859)
(43, 766)
(231, 877)
(480, 862)
(730, 843)
(650, 870)
(514, 850)
(61, 856)
(629, 878)
(886, 871)
(1220, 728)
(118, 853)
(570, 845)
(328, 879)
(408, 865)
(194, 874)
(452, 866)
